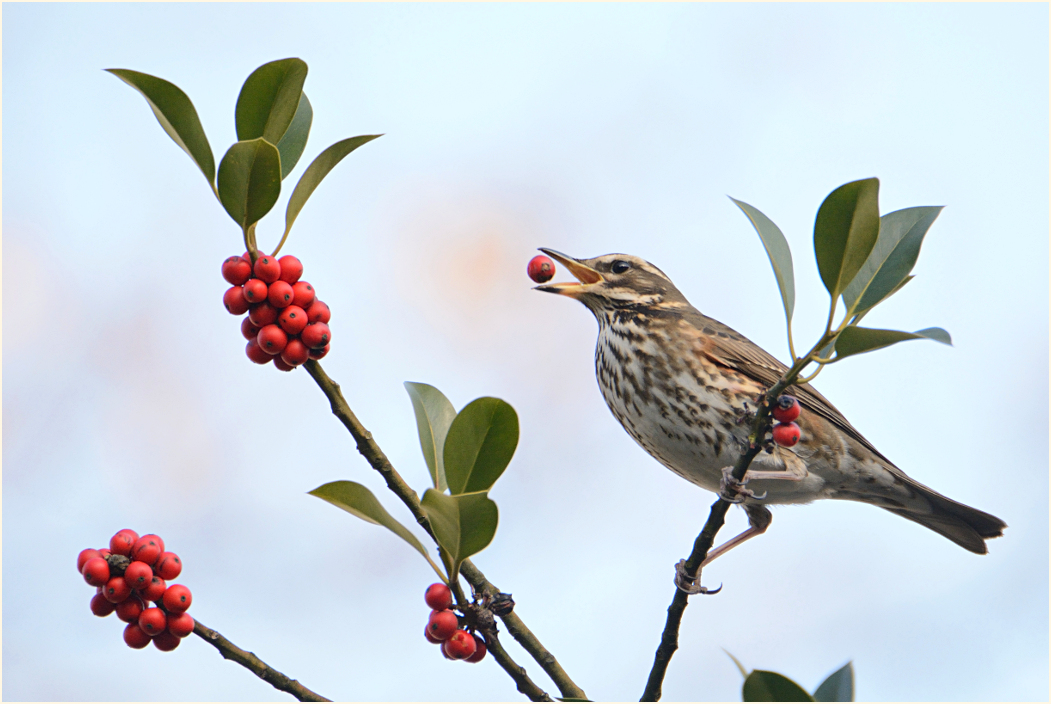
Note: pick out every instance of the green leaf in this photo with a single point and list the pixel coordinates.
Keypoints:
(897, 247)
(294, 142)
(855, 340)
(740, 667)
(464, 525)
(838, 687)
(481, 441)
(845, 232)
(434, 415)
(765, 686)
(177, 116)
(269, 99)
(359, 501)
(250, 180)
(317, 170)
(779, 253)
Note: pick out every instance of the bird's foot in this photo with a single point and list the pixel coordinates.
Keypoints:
(691, 586)
(733, 490)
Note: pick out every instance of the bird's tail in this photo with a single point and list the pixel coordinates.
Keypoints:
(967, 527)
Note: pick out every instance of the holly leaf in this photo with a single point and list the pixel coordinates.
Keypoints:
(434, 415)
(178, 117)
(845, 232)
(463, 525)
(294, 142)
(837, 687)
(479, 446)
(250, 180)
(778, 251)
(765, 686)
(855, 340)
(269, 100)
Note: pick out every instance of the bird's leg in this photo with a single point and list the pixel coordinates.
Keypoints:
(759, 519)
(733, 490)
(691, 586)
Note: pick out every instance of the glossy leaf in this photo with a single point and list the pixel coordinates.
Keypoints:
(779, 253)
(765, 686)
(269, 100)
(464, 525)
(855, 340)
(359, 501)
(250, 180)
(897, 248)
(838, 687)
(845, 232)
(481, 441)
(294, 142)
(177, 115)
(317, 171)
(434, 415)
(900, 286)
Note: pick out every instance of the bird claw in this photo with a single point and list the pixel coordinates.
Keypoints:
(734, 491)
(691, 586)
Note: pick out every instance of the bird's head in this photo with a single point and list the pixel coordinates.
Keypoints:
(614, 281)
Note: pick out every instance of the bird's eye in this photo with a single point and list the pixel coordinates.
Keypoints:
(620, 266)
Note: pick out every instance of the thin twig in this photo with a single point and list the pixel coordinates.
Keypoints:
(259, 668)
(375, 456)
(525, 685)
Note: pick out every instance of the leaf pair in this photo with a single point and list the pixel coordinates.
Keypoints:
(766, 686)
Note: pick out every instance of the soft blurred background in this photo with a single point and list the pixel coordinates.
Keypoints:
(589, 128)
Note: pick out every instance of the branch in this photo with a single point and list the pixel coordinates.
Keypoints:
(375, 456)
(259, 668)
(525, 685)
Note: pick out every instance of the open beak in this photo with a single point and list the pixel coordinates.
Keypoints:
(585, 275)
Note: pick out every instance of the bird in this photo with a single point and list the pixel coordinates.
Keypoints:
(680, 384)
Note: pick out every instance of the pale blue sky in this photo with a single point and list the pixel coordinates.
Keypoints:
(589, 128)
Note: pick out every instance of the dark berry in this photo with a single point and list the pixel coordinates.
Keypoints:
(460, 645)
(256, 353)
(96, 571)
(541, 269)
(249, 329)
(295, 352)
(316, 335)
(786, 434)
(234, 301)
(138, 575)
(292, 319)
(280, 294)
(303, 294)
(166, 642)
(136, 637)
(267, 268)
(101, 606)
(255, 290)
(177, 598)
(318, 312)
(263, 314)
(180, 625)
(272, 339)
(168, 566)
(123, 541)
(291, 268)
(786, 409)
(117, 589)
(236, 270)
(130, 609)
(153, 621)
(442, 624)
(438, 596)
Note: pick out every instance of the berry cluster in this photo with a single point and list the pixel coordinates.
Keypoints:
(541, 269)
(786, 410)
(286, 323)
(132, 572)
(443, 627)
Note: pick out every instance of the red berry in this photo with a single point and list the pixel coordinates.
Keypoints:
(147, 549)
(153, 621)
(318, 312)
(105, 553)
(101, 606)
(292, 319)
(295, 353)
(438, 596)
(234, 301)
(786, 409)
(303, 294)
(321, 352)
(130, 609)
(117, 589)
(460, 645)
(122, 542)
(291, 268)
(445, 650)
(479, 652)
(96, 571)
(280, 364)
(541, 269)
(272, 339)
(136, 637)
(786, 434)
(166, 642)
(426, 634)
(279, 294)
(316, 335)
(249, 329)
(267, 268)
(177, 598)
(256, 353)
(442, 624)
(155, 590)
(138, 575)
(180, 625)
(263, 314)
(85, 555)
(236, 270)
(168, 566)
(255, 290)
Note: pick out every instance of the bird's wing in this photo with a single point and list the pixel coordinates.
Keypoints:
(724, 345)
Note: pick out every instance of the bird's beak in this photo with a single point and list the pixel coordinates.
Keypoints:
(585, 275)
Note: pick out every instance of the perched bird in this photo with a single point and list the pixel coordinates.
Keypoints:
(680, 382)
